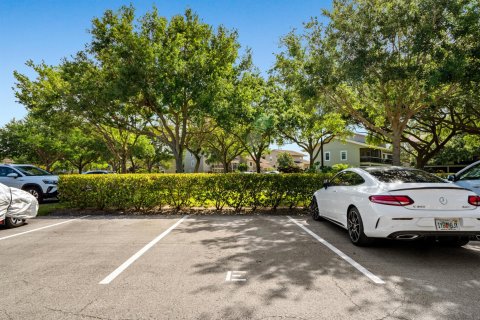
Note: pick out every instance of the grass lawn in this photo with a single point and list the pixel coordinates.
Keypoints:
(47, 208)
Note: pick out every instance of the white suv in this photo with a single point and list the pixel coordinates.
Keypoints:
(40, 183)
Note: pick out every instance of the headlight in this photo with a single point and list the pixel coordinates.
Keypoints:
(50, 181)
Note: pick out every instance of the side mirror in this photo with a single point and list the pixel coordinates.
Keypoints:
(451, 177)
(13, 175)
(326, 184)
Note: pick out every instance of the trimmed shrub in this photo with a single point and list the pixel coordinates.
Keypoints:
(143, 192)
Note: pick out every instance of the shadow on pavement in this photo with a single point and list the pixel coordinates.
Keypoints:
(422, 282)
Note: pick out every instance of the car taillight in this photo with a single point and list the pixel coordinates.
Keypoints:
(392, 200)
(474, 200)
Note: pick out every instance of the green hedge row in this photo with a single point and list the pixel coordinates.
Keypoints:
(144, 192)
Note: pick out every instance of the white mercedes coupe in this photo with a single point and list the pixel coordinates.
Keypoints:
(398, 203)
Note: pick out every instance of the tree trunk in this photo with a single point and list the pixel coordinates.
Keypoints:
(149, 166)
(133, 164)
(178, 163)
(396, 143)
(225, 167)
(80, 167)
(197, 162)
(115, 166)
(311, 163)
(420, 162)
(123, 163)
(258, 160)
(178, 154)
(321, 154)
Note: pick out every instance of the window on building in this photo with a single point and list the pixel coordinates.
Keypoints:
(343, 155)
(250, 163)
(327, 156)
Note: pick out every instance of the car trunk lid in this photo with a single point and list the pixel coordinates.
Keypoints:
(433, 196)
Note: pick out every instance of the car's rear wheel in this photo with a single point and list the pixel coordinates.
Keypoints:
(355, 228)
(314, 210)
(14, 222)
(36, 192)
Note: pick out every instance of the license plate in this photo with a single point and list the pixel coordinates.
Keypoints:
(447, 224)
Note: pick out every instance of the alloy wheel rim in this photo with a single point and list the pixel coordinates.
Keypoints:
(16, 221)
(34, 193)
(353, 226)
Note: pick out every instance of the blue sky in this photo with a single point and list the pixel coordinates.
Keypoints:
(49, 30)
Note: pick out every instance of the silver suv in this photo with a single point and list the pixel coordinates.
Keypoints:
(40, 183)
(468, 177)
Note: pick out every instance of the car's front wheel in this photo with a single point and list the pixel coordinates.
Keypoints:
(14, 222)
(36, 192)
(355, 228)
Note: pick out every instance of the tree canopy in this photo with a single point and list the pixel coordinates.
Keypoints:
(394, 59)
(149, 88)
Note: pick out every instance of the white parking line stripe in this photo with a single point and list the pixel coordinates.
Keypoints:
(342, 255)
(137, 255)
(52, 225)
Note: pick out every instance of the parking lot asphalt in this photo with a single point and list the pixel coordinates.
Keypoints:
(226, 267)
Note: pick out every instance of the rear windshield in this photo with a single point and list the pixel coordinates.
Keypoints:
(404, 176)
(32, 171)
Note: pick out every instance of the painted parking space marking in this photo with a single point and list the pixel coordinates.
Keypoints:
(236, 276)
(42, 228)
(342, 255)
(137, 255)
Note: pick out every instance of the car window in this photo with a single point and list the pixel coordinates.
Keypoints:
(32, 171)
(352, 179)
(4, 171)
(347, 178)
(404, 176)
(471, 174)
(337, 180)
